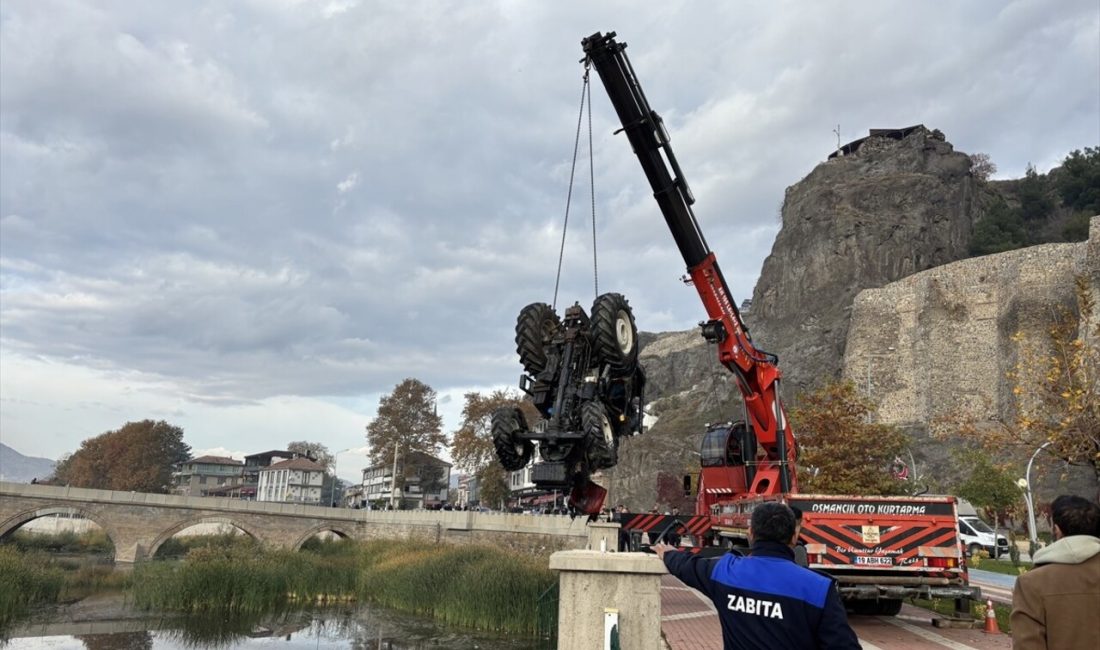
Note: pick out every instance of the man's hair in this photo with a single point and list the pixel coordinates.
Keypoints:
(797, 513)
(1075, 515)
(772, 522)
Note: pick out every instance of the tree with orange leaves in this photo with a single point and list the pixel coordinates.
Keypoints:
(843, 450)
(472, 444)
(138, 457)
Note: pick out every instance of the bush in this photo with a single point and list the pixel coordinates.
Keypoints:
(1002, 229)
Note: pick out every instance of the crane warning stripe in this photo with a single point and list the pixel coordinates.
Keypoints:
(695, 525)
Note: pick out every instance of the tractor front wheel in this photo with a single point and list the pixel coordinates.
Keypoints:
(601, 444)
(513, 452)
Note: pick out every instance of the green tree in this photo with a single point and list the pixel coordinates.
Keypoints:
(1034, 194)
(472, 443)
(1079, 182)
(843, 451)
(986, 484)
(406, 422)
(138, 457)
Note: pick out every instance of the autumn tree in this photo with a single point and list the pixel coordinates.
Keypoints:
(982, 166)
(406, 422)
(843, 450)
(314, 450)
(472, 443)
(1056, 386)
(138, 457)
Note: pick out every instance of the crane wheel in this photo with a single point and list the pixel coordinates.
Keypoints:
(600, 443)
(614, 333)
(535, 328)
(513, 452)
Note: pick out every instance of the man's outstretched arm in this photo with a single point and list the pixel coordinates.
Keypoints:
(692, 570)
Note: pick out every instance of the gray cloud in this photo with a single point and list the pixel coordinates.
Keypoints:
(247, 200)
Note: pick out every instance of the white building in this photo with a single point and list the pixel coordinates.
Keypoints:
(423, 484)
(299, 480)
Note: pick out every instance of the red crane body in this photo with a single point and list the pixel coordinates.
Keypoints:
(763, 462)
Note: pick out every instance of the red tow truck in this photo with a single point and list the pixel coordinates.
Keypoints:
(879, 549)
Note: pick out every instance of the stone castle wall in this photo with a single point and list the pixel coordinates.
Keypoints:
(939, 343)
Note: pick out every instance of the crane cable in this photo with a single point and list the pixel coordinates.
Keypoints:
(586, 98)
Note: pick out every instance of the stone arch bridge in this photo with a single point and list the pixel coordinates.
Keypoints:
(138, 523)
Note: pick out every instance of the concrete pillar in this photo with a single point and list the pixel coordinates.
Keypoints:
(603, 536)
(591, 582)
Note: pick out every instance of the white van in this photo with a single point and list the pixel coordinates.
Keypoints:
(976, 536)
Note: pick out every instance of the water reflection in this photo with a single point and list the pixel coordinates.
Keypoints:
(358, 628)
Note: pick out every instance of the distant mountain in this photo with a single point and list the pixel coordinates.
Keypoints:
(18, 468)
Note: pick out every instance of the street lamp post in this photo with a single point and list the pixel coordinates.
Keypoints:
(393, 478)
(1025, 485)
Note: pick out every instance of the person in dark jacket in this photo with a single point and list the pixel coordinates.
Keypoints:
(765, 600)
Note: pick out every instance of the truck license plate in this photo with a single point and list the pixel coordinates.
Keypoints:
(873, 561)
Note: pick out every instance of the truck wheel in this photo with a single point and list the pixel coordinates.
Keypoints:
(514, 453)
(974, 550)
(614, 332)
(535, 327)
(601, 445)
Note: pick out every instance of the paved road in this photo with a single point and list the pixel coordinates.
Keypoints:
(995, 586)
(690, 622)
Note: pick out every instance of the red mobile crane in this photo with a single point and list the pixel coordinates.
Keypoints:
(880, 549)
(730, 462)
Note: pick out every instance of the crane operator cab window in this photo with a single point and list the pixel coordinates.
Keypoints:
(723, 446)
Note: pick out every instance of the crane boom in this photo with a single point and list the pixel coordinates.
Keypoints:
(756, 372)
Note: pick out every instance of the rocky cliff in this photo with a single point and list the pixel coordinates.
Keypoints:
(899, 203)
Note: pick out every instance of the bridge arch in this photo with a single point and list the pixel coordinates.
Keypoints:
(168, 533)
(321, 528)
(13, 523)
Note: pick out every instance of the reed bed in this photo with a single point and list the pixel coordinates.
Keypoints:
(92, 541)
(476, 587)
(479, 587)
(238, 580)
(28, 579)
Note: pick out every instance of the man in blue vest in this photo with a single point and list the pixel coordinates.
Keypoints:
(765, 600)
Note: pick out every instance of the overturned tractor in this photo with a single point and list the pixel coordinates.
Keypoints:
(583, 376)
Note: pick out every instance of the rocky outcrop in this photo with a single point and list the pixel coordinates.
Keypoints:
(889, 209)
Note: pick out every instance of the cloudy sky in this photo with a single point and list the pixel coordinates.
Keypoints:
(254, 218)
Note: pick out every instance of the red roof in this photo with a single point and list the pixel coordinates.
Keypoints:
(295, 463)
(215, 460)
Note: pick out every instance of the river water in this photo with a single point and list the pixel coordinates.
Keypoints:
(106, 622)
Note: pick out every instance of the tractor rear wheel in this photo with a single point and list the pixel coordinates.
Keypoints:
(535, 328)
(601, 445)
(513, 452)
(614, 333)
